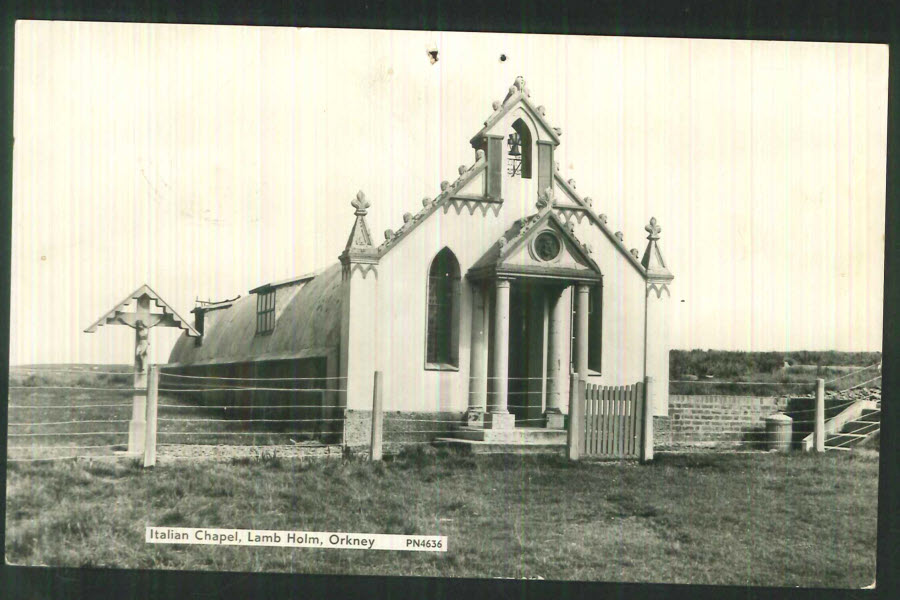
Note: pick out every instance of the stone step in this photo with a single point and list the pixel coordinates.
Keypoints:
(518, 435)
(480, 447)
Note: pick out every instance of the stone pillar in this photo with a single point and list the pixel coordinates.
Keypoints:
(656, 328)
(582, 299)
(359, 325)
(478, 360)
(499, 416)
(556, 370)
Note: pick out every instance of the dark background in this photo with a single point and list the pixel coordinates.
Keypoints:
(827, 21)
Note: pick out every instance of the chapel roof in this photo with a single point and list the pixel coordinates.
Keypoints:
(308, 326)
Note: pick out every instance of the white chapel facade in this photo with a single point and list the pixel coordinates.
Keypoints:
(480, 305)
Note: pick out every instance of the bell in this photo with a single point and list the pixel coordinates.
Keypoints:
(514, 145)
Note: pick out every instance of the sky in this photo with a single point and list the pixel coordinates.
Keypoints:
(207, 160)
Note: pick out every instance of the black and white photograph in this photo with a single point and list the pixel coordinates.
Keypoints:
(446, 304)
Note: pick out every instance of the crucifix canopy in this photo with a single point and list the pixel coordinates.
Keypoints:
(118, 315)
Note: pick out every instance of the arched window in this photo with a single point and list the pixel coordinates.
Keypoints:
(518, 148)
(442, 342)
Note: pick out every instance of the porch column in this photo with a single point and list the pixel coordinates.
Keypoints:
(499, 416)
(478, 360)
(556, 340)
(582, 291)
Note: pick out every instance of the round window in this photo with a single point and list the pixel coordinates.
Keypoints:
(547, 246)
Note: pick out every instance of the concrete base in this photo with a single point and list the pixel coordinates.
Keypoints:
(516, 435)
(475, 418)
(136, 432)
(555, 420)
(480, 447)
(499, 421)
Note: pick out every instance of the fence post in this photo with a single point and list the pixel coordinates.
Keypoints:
(150, 431)
(820, 415)
(576, 402)
(647, 425)
(377, 415)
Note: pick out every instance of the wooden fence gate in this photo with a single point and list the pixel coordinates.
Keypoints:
(613, 420)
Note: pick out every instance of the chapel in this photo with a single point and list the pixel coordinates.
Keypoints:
(478, 305)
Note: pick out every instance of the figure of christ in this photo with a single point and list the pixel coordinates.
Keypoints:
(142, 343)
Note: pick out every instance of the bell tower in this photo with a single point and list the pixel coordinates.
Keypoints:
(518, 144)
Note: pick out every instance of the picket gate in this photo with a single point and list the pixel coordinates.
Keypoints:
(613, 420)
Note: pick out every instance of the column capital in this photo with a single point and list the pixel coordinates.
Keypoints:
(502, 283)
(583, 288)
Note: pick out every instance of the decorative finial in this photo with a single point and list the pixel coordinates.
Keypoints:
(572, 183)
(558, 130)
(479, 155)
(445, 185)
(426, 202)
(360, 204)
(543, 110)
(512, 90)
(407, 217)
(520, 83)
(462, 169)
(496, 105)
(620, 236)
(570, 226)
(603, 219)
(588, 201)
(388, 234)
(634, 253)
(543, 198)
(653, 229)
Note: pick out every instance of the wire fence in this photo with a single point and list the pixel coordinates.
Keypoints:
(783, 384)
(60, 422)
(49, 420)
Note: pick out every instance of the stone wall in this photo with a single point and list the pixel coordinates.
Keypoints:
(712, 420)
(400, 428)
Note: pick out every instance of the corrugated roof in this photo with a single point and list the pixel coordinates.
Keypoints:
(310, 325)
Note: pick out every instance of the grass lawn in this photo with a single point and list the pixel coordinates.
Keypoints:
(746, 519)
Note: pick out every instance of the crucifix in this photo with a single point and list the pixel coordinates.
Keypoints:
(142, 320)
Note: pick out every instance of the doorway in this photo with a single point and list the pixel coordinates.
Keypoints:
(527, 344)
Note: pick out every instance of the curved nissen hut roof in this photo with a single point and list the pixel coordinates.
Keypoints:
(309, 325)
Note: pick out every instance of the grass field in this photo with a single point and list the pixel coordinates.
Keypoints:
(745, 519)
(754, 519)
(705, 372)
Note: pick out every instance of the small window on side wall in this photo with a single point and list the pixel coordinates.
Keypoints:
(265, 312)
(442, 329)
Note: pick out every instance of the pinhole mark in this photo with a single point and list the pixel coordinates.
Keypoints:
(433, 55)
(502, 58)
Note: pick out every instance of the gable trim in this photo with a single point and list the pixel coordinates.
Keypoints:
(510, 103)
(446, 197)
(583, 207)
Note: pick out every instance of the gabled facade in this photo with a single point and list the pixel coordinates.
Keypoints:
(484, 301)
